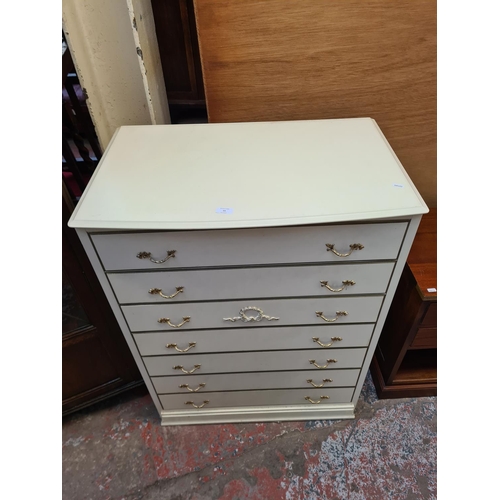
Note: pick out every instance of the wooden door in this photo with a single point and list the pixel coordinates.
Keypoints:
(96, 361)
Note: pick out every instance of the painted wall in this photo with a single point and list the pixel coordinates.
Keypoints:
(114, 48)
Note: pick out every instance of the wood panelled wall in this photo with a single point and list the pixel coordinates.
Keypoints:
(310, 59)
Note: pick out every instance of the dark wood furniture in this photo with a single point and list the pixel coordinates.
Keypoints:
(180, 58)
(96, 361)
(405, 360)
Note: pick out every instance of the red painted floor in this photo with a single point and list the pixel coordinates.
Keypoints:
(118, 450)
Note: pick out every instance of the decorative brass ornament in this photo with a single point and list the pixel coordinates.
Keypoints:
(316, 402)
(183, 370)
(334, 339)
(325, 380)
(243, 317)
(185, 320)
(174, 346)
(197, 406)
(186, 386)
(328, 361)
(354, 246)
(157, 291)
(147, 255)
(319, 314)
(345, 283)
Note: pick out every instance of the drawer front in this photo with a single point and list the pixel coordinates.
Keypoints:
(243, 247)
(430, 318)
(256, 282)
(200, 364)
(426, 338)
(257, 398)
(255, 381)
(255, 339)
(197, 315)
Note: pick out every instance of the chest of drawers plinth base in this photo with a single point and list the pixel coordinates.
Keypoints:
(259, 414)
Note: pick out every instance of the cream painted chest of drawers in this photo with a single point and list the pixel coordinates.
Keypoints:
(250, 266)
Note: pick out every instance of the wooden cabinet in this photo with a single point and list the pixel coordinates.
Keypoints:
(180, 57)
(250, 265)
(405, 361)
(96, 362)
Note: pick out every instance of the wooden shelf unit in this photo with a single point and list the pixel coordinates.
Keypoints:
(405, 360)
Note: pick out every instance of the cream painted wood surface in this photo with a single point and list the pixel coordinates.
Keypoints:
(255, 339)
(257, 282)
(398, 269)
(255, 381)
(101, 276)
(254, 362)
(148, 53)
(284, 245)
(144, 318)
(246, 175)
(258, 398)
(243, 353)
(120, 85)
(267, 413)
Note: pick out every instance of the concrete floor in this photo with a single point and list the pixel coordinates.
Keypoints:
(118, 450)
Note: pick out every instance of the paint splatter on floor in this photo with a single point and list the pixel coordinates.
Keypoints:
(118, 450)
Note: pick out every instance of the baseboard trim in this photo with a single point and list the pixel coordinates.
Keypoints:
(257, 414)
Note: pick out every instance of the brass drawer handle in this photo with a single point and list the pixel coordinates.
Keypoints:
(174, 346)
(186, 386)
(328, 361)
(157, 291)
(334, 339)
(344, 283)
(354, 246)
(197, 406)
(245, 318)
(186, 319)
(147, 255)
(319, 314)
(183, 370)
(325, 380)
(316, 402)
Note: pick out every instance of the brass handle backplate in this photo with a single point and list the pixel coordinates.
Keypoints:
(183, 370)
(354, 246)
(325, 380)
(147, 255)
(319, 314)
(174, 346)
(344, 283)
(186, 386)
(334, 339)
(157, 291)
(186, 319)
(316, 402)
(197, 406)
(247, 318)
(328, 361)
